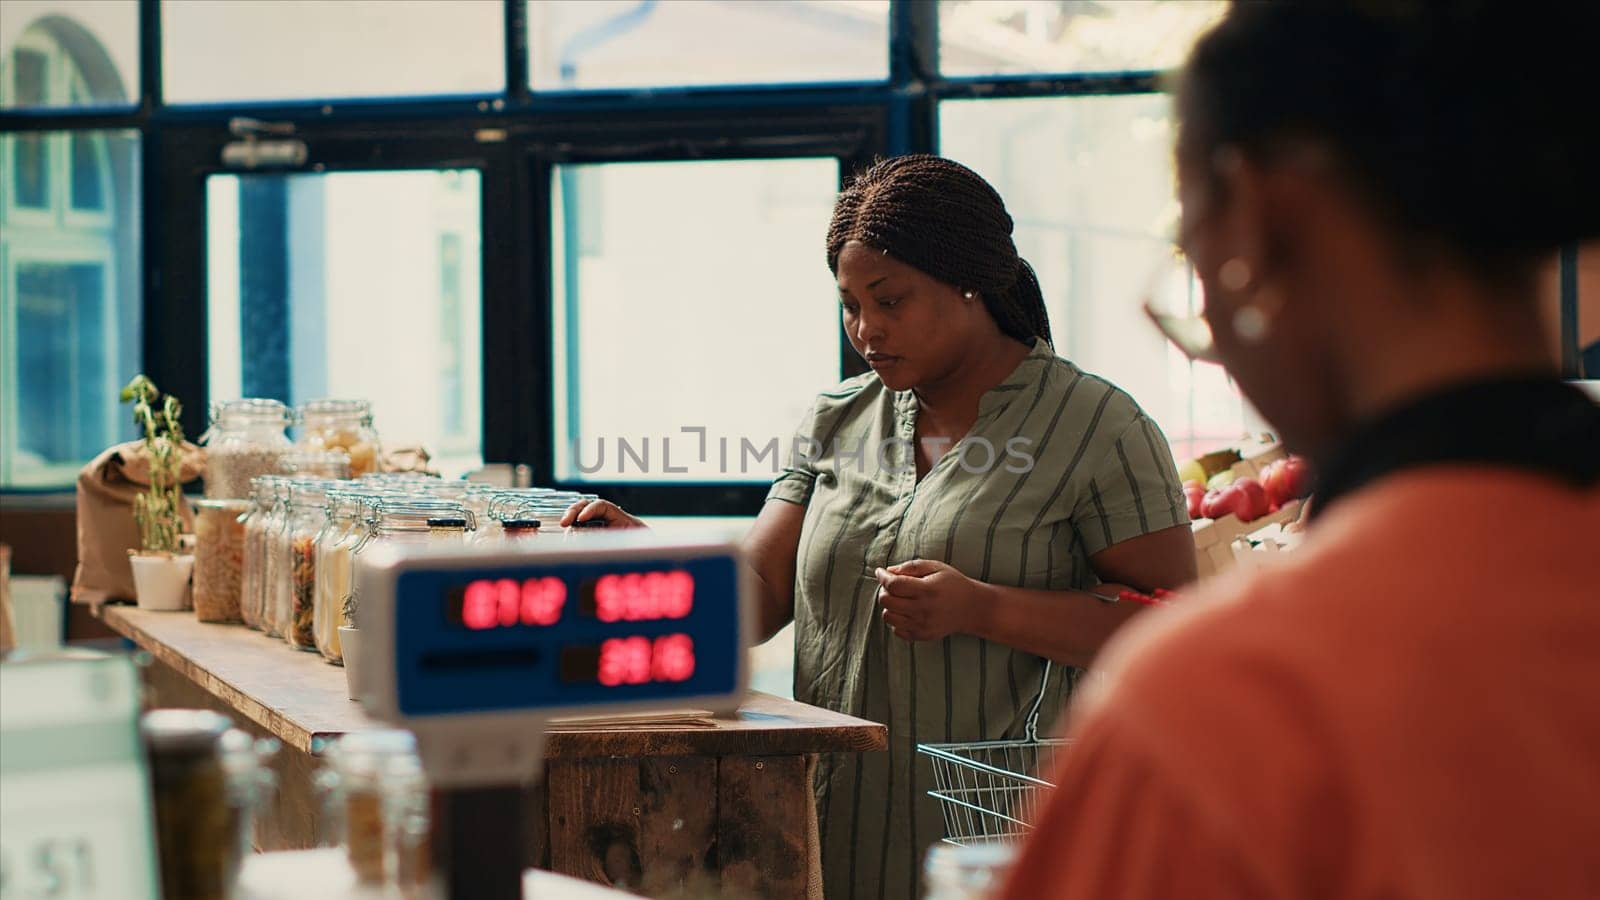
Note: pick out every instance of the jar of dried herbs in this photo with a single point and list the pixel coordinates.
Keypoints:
(247, 438)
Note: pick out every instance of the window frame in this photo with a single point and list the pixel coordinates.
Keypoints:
(513, 138)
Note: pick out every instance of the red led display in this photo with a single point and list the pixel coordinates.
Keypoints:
(639, 660)
(503, 603)
(641, 596)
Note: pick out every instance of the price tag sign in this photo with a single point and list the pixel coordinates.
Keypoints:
(74, 796)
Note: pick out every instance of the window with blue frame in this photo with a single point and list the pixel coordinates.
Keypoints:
(70, 318)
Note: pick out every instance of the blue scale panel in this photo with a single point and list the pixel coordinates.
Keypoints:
(523, 637)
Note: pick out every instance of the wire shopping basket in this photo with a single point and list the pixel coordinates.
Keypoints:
(989, 790)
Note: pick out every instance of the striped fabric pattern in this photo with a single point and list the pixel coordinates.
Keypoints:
(1100, 473)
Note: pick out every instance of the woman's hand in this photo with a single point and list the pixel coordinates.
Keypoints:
(924, 600)
(605, 510)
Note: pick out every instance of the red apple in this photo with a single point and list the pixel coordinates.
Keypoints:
(1194, 492)
(1257, 504)
(1287, 479)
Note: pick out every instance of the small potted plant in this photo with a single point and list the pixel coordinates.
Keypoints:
(350, 646)
(160, 572)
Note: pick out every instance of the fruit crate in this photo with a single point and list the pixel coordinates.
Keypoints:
(990, 790)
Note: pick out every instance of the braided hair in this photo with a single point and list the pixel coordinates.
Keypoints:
(942, 218)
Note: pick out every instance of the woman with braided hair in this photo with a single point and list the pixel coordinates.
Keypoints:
(953, 527)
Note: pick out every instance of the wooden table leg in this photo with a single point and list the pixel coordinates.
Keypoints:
(646, 825)
(766, 828)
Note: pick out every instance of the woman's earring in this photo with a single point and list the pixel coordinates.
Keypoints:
(1235, 274)
(967, 294)
(1250, 324)
(1252, 321)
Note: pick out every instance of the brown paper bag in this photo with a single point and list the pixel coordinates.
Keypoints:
(106, 530)
(407, 459)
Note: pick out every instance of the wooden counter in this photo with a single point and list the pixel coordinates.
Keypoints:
(657, 810)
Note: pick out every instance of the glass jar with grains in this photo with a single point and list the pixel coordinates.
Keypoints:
(366, 770)
(342, 425)
(219, 528)
(246, 439)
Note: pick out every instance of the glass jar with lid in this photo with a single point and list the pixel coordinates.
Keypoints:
(344, 528)
(219, 527)
(195, 835)
(407, 520)
(308, 512)
(252, 588)
(246, 763)
(275, 578)
(305, 462)
(342, 425)
(247, 438)
(372, 776)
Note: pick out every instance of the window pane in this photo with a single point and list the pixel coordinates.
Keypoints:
(669, 278)
(45, 45)
(69, 312)
(993, 37)
(89, 172)
(215, 51)
(1089, 182)
(629, 43)
(352, 284)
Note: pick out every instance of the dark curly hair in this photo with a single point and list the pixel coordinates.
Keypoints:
(945, 220)
(1461, 121)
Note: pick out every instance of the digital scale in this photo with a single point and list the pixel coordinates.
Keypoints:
(474, 651)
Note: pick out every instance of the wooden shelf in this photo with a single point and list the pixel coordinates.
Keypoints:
(301, 699)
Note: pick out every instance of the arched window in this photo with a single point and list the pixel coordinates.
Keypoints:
(68, 261)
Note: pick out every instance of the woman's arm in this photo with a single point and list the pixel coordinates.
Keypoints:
(925, 600)
(770, 551)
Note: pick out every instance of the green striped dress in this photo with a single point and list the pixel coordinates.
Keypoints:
(1059, 465)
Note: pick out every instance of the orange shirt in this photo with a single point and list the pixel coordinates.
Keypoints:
(1407, 706)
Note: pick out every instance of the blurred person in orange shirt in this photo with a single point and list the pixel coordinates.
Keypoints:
(1407, 706)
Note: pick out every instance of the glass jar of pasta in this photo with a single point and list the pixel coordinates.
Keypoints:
(246, 439)
(308, 512)
(342, 425)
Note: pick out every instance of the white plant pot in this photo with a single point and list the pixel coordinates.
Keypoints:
(350, 649)
(161, 581)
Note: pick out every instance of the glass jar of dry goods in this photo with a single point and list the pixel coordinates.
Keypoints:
(275, 605)
(219, 528)
(303, 462)
(196, 834)
(246, 439)
(342, 425)
(345, 525)
(373, 781)
(308, 512)
(408, 520)
(253, 590)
